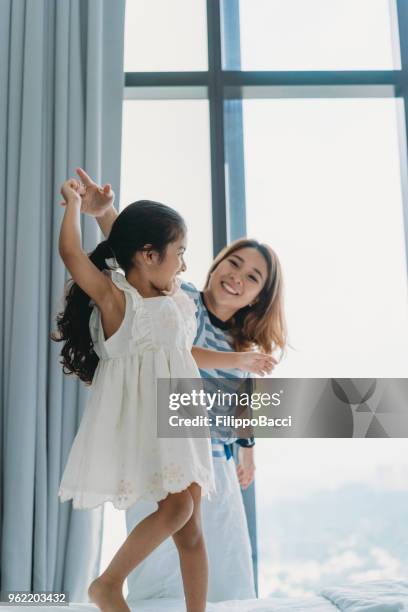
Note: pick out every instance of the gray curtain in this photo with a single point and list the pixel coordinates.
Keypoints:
(61, 90)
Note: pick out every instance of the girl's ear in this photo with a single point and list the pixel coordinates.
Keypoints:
(149, 255)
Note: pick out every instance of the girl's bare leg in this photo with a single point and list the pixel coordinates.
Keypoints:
(193, 556)
(173, 513)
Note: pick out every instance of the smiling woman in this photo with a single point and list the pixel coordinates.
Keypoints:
(245, 286)
(238, 275)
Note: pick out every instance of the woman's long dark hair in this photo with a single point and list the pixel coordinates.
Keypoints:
(143, 222)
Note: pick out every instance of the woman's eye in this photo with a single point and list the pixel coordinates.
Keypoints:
(234, 263)
(253, 278)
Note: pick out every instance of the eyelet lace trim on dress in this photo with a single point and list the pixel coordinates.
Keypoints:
(173, 480)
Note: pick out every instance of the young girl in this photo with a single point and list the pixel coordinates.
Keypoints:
(240, 307)
(121, 332)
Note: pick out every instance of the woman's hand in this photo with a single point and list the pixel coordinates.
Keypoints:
(246, 466)
(95, 200)
(255, 362)
(70, 191)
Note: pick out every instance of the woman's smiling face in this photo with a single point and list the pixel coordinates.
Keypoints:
(238, 279)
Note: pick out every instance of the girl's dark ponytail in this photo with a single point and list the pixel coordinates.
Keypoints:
(102, 252)
(78, 355)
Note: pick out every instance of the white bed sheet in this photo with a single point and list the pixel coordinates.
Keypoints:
(371, 596)
(273, 604)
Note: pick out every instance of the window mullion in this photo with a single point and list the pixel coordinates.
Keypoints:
(215, 97)
(402, 12)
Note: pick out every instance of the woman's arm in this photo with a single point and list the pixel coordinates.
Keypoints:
(83, 271)
(251, 361)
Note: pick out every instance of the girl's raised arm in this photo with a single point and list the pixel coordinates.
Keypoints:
(91, 280)
(105, 222)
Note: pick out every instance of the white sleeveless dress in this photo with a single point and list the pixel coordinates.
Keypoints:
(116, 455)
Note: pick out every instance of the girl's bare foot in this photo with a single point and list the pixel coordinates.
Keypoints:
(107, 596)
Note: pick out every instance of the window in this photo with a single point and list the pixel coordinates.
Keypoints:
(286, 120)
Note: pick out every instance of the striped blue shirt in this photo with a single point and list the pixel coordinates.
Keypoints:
(211, 336)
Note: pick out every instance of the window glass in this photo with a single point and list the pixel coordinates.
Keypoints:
(318, 35)
(166, 157)
(323, 187)
(330, 512)
(165, 35)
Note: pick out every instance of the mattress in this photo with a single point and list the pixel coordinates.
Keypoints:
(314, 604)
(370, 596)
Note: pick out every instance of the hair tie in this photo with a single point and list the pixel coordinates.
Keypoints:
(111, 261)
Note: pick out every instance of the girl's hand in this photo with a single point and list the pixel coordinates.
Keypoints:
(255, 362)
(70, 191)
(95, 200)
(246, 466)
